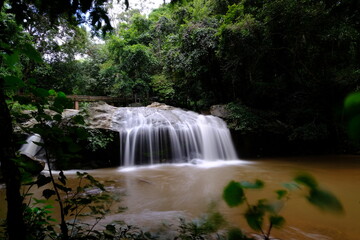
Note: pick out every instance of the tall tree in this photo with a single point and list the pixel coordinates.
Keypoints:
(74, 12)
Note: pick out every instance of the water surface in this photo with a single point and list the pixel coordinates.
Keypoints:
(162, 193)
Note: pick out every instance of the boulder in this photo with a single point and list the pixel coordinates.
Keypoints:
(161, 106)
(219, 111)
(99, 115)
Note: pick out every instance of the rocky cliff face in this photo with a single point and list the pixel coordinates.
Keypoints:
(99, 115)
(103, 124)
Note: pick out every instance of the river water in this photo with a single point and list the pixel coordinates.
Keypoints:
(161, 194)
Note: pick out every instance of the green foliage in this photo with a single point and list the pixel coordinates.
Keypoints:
(248, 120)
(38, 220)
(123, 231)
(237, 234)
(234, 194)
(289, 64)
(352, 114)
(201, 229)
(255, 214)
(163, 88)
(98, 140)
(320, 198)
(88, 198)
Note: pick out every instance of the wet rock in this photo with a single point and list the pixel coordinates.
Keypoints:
(161, 106)
(219, 111)
(99, 115)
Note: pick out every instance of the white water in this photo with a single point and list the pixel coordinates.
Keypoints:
(151, 135)
(30, 148)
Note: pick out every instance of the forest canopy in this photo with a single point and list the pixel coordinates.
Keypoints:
(282, 67)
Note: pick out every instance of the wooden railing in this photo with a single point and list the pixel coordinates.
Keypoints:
(119, 101)
(84, 98)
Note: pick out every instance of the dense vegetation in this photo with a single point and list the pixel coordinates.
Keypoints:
(283, 67)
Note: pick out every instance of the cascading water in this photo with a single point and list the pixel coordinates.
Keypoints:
(30, 148)
(151, 135)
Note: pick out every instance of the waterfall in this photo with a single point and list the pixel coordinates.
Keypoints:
(30, 148)
(150, 135)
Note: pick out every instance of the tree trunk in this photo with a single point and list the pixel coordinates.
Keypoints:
(11, 173)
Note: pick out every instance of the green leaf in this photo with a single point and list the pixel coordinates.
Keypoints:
(57, 117)
(31, 81)
(111, 228)
(237, 234)
(277, 221)
(13, 82)
(255, 218)
(12, 59)
(281, 194)
(61, 94)
(31, 53)
(325, 200)
(47, 193)
(63, 188)
(233, 194)
(52, 92)
(42, 180)
(78, 119)
(74, 148)
(40, 92)
(79, 174)
(81, 133)
(307, 180)
(265, 206)
(66, 209)
(258, 184)
(61, 103)
(62, 177)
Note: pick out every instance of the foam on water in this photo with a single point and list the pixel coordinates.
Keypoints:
(198, 164)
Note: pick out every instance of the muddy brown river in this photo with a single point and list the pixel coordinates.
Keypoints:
(159, 195)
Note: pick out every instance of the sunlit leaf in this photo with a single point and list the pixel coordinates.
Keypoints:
(233, 194)
(258, 184)
(52, 92)
(61, 94)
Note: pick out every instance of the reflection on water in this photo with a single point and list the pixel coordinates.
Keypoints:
(163, 193)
